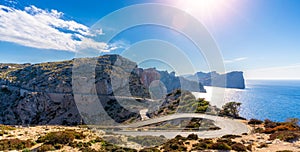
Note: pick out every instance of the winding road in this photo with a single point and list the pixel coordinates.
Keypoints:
(227, 125)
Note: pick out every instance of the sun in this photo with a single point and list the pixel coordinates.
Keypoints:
(205, 8)
(197, 6)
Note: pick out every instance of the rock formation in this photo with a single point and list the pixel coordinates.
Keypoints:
(44, 93)
(233, 79)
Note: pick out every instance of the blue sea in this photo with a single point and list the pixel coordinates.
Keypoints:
(276, 100)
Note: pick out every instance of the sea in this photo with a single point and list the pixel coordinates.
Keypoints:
(276, 100)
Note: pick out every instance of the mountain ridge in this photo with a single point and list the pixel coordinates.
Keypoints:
(43, 93)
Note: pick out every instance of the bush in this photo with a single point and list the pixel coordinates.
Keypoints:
(293, 121)
(26, 150)
(148, 140)
(270, 124)
(231, 136)
(200, 146)
(227, 141)
(5, 127)
(15, 144)
(249, 147)
(45, 147)
(231, 109)
(87, 149)
(192, 137)
(255, 122)
(239, 147)
(220, 146)
(285, 136)
(282, 127)
(174, 145)
(80, 144)
(179, 137)
(149, 150)
(60, 137)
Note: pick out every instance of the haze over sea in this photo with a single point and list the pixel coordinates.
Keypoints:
(276, 100)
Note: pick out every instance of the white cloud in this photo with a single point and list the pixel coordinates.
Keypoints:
(235, 60)
(37, 28)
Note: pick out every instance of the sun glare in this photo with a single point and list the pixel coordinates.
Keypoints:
(207, 9)
(201, 6)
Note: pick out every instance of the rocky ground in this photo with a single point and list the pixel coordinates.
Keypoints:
(80, 138)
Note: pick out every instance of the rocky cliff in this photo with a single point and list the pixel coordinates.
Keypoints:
(44, 93)
(233, 79)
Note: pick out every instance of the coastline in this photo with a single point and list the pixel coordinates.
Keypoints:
(258, 98)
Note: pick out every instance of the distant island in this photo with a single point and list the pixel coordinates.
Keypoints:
(233, 79)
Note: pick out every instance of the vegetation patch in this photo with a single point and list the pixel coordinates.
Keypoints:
(45, 147)
(231, 109)
(285, 131)
(5, 127)
(174, 145)
(231, 136)
(152, 149)
(15, 144)
(255, 122)
(148, 140)
(288, 136)
(220, 146)
(60, 137)
(239, 147)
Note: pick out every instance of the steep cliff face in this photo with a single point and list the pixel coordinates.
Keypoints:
(233, 79)
(169, 80)
(43, 93)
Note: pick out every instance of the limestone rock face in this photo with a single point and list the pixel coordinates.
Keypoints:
(45, 94)
(233, 79)
(169, 80)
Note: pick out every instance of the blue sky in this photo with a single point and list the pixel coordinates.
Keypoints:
(259, 37)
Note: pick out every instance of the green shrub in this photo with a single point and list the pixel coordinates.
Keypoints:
(239, 147)
(179, 137)
(228, 141)
(87, 149)
(60, 137)
(192, 137)
(281, 127)
(149, 150)
(231, 136)
(255, 121)
(200, 146)
(15, 144)
(270, 124)
(249, 147)
(5, 127)
(45, 147)
(26, 150)
(285, 136)
(220, 146)
(174, 145)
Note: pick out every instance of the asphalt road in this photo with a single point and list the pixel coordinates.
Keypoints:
(227, 125)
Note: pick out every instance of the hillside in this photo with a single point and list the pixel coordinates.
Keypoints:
(44, 93)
